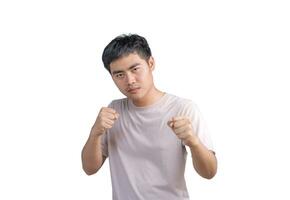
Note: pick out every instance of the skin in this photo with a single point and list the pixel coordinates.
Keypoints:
(133, 77)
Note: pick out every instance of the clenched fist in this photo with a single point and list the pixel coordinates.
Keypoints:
(105, 120)
(182, 128)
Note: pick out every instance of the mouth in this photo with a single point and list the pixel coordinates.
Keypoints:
(133, 90)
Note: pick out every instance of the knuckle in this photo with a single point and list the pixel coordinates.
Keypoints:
(101, 118)
(103, 123)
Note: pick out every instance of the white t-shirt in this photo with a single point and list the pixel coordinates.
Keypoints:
(147, 160)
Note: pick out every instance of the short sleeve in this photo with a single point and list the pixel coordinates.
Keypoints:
(199, 125)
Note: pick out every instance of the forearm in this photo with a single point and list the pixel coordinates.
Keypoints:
(92, 158)
(203, 160)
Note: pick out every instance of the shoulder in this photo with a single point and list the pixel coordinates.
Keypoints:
(182, 102)
(184, 106)
(119, 103)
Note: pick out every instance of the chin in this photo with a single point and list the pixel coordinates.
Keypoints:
(137, 96)
(134, 96)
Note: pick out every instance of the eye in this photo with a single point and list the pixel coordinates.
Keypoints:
(119, 75)
(135, 69)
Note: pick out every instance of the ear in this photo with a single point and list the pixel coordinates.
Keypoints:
(151, 63)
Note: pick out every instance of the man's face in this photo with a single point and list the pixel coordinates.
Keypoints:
(133, 75)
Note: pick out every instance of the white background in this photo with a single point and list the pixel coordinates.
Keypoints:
(230, 57)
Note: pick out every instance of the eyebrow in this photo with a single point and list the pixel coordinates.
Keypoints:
(129, 68)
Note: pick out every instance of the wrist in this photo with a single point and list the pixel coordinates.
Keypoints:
(96, 133)
(96, 130)
(193, 142)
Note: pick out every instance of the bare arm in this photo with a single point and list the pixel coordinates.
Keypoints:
(203, 160)
(92, 157)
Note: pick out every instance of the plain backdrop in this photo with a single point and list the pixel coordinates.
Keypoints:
(231, 58)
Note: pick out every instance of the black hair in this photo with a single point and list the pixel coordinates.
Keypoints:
(123, 45)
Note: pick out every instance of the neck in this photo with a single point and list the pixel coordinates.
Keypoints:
(150, 98)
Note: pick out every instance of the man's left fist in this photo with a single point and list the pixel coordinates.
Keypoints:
(182, 128)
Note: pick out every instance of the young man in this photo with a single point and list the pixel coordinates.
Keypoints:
(144, 135)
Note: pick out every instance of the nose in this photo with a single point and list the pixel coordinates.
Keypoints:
(130, 79)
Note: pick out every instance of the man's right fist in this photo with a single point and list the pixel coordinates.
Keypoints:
(105, 120)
